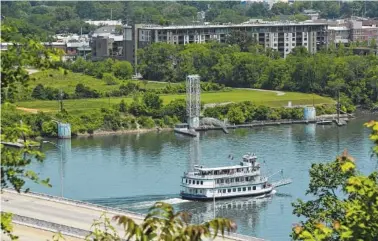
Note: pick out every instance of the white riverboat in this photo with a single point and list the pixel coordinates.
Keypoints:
(228, 182)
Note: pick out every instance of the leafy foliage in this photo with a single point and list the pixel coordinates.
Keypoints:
(24, 53)
(161, 223)
(345, 205)
(250, 65)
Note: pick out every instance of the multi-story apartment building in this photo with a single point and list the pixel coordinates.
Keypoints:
(281, 36)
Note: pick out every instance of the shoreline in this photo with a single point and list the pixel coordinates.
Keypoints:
(120, 132)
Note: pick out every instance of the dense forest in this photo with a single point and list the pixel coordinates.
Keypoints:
(325, 72)
(42, 19)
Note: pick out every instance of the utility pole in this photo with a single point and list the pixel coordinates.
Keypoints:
(338, 106)
(61, 100)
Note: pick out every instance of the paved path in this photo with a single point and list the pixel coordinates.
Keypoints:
(64, 212)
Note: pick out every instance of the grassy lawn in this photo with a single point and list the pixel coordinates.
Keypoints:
(259, 97)
(56, 79)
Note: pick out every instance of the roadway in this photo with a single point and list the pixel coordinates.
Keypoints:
(62, 212)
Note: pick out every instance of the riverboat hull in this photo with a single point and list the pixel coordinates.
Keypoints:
(199, 197)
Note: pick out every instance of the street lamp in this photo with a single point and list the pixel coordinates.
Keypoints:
(61, 165)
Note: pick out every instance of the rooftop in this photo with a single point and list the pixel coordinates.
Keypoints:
(256, 24)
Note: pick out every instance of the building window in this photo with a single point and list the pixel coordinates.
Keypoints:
(287, 44)
(254, 187)
(229, 190)
(239, 189)
(293, 44)
(244, 189)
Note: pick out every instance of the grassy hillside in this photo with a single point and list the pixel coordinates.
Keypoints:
(259, 97)
(56, 79)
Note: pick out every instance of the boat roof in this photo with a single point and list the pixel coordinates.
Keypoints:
(206, 169)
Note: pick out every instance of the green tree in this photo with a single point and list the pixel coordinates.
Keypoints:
(241, 38)
(345, 205)
(235, 115)
(161, 223)
(109, 79)
(122, 70)
(152, 101)
(122, 106)
(21, 54)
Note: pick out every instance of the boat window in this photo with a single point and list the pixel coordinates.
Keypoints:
(224, 190)
(254, 187)
(239, 189)
(186, 180)
(201, 182)
(219, 191)
(242, 179)
(237, 179)
(200, 191)
(249, 188)
(231, 180)
(244, 189)
(197, 182)
(234, 190)
(229, 190)
(190, 181)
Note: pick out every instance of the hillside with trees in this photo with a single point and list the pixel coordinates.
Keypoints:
(42, 19)
(324, 73)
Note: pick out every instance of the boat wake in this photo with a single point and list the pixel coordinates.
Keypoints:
(148, 204)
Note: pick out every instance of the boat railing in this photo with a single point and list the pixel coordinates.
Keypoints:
(259, 180)
(236, 174)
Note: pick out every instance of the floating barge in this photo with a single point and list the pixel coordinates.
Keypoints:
(184, 129)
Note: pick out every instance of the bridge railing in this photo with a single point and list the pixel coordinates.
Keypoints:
(234, 236)
(81, 203)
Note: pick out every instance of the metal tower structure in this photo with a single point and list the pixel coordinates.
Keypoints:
(193, 104)
(194, 152)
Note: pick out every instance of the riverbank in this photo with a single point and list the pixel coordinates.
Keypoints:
(121, 132)
(204, 128)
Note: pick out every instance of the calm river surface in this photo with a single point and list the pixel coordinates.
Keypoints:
(133, 171)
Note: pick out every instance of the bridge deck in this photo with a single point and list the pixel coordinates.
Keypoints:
(68, 213)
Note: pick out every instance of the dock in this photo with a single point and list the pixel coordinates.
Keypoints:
(40, 215)
(324, 118)
(188, 132)
(20, 144)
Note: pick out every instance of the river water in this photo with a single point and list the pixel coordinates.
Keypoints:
(135, 170)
